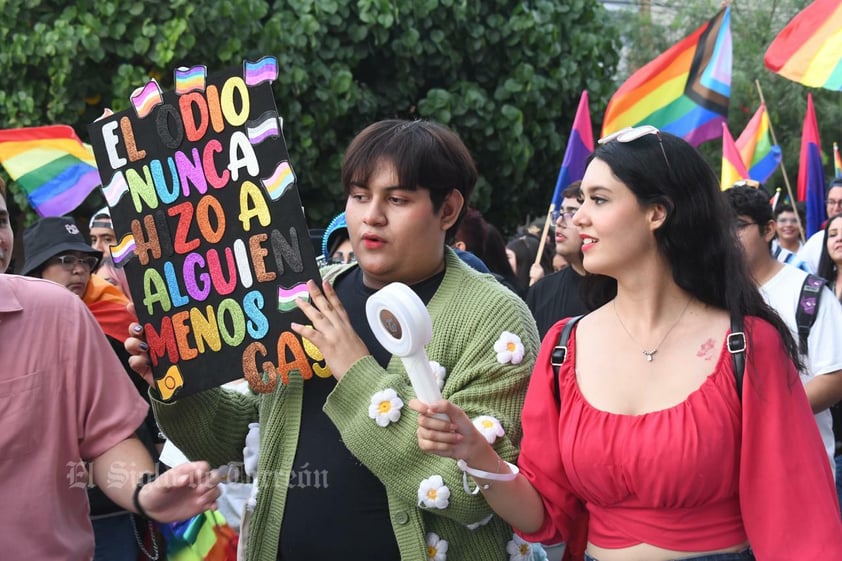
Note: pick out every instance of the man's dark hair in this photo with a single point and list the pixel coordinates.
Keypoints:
(754, 203)
(780, 209)
(750, 202)
(425, 154)
(573, 191)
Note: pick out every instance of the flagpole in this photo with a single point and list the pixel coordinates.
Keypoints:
(792, 198)
(544, 234)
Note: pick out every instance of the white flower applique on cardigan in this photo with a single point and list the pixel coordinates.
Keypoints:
(385, 407)
(489, 427)
(519, 549)
(436, 547)
(433, 493)
(509, 348)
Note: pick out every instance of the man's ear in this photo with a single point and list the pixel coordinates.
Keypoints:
(769, 231)
(450, 209)
(460, 246)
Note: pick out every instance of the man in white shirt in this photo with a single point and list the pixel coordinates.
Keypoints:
(781, 288)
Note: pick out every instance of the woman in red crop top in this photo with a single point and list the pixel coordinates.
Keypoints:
(652, 455)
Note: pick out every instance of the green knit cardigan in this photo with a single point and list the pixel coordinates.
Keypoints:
(469, 311)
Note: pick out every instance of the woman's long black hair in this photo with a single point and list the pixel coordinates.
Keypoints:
(698, 238)
(827, 268)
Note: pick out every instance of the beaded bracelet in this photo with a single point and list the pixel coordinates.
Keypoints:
(466, 470)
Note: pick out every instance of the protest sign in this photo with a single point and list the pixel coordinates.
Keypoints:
(210, 229)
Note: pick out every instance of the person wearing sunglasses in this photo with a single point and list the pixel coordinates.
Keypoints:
(634, 431)
(557, 296)
(55, 250)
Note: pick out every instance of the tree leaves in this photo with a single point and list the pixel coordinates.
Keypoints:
(506, 76)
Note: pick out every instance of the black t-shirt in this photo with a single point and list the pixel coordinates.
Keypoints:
(554, 298)
(336, 508)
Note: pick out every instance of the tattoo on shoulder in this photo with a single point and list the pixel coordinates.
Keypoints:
(706, 350)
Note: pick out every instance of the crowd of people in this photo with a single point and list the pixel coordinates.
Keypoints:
(655, 379)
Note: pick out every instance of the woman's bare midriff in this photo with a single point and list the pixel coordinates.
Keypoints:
(647, 552)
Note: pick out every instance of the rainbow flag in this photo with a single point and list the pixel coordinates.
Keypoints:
(733, 168)
(837, 161)
(108, 304)
(810, 173)
(760, 156)
(205, 537)
(685, 90)
(809, 49)
(54, 168)
(189, 79)
(579, 147)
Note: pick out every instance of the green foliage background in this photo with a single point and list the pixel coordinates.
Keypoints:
(505, 75)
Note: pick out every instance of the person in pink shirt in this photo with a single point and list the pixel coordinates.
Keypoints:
(640, 444)
(69, 413)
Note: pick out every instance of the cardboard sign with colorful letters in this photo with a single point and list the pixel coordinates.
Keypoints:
(210, 229)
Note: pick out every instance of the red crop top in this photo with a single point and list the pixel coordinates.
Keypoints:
(702, 475)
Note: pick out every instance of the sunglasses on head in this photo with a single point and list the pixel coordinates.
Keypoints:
(747, 183)
(630, 134)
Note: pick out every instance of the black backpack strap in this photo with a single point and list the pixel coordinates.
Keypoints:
(559, 354)
(807, 309)
(737, 348)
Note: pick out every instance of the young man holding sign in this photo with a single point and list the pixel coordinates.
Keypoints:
(340, 474)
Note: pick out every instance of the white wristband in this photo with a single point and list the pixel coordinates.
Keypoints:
(466, 470)
(487, 474)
